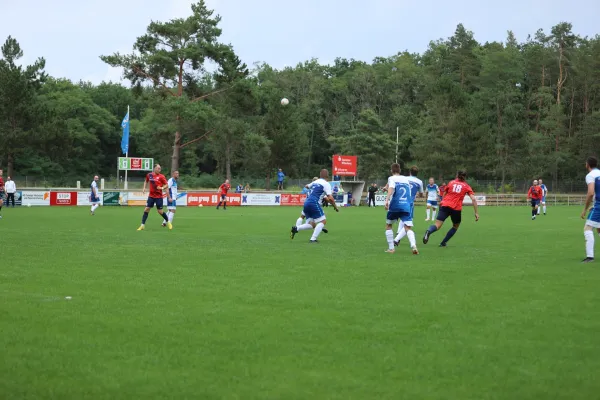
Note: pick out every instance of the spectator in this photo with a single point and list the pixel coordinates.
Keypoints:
(372, 190)
(11, 189)
(239, 188)
(247, 188)
(280, 177)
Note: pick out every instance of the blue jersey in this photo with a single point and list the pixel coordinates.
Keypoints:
(402, 199)
(594, 177)
(416, 186)
(432, 192)
(172, 183)
(544, 190)
(317, 190)
(93, 196)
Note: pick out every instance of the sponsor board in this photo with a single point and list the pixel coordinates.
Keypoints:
(83, 198)
(181, 199)
(293, 199)
(63, 198)
(379, 199)
(480, 201)
(194, 199)
(38, 198)
(18, 196)
(136, 199)
(344, 165)
(261, 199)
(111, 198)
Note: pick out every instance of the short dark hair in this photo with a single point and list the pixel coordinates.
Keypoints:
(461, 174)
(395, 168)
(592, 162)
(414, 170)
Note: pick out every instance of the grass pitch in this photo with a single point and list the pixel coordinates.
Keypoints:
(226, 306)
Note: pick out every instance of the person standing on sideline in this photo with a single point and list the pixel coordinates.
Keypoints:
(94, 197)
(280, 178)
(592, 180)
(544, 193)
(223, 189)
(10, 189)
(158, 183)
(1, 193)
(171, 198)
(239, 188)
(372, 192)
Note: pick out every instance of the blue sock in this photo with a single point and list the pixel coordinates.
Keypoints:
(432, 229)
(144, 218)
(449, 235)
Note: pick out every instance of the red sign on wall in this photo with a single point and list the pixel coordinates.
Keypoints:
(292, 199)
(212, 199)
(63, 198)
(136, 163)
(344, 165)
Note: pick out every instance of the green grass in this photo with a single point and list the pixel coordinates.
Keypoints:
(226, 306)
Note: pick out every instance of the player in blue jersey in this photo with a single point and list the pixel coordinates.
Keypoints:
(94, 196)
(171, 199)
(416, 188)
(433, 192)
(399, 203)
(592, 179)
(313, 211)
(544, 193)
(307, 189)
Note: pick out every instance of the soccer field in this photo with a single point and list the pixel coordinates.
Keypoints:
(226, 306)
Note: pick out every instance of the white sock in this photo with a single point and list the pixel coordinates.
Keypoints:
(171, 215)
(94, 207)
(317, 231)
(389, 235)
(401, 234)
(304, 227)
(299, 222)
(589, 243)
(539, 210)
(411, 238)
(428, 213)
(433, 214)
(544, 209)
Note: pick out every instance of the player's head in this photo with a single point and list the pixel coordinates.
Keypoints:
(535, 182)
(395, 168)
(431, 181)
(157, 169)
(1, 172)
(461, 175)
(175, 174)
(540, 181)
(590, 164)
(324, 173)
(96, 178)
(444, 183)
(227, 181)
(414, 170)
(315, 178)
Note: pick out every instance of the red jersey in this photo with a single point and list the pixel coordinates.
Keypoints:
(442, 188)
(535, 192)
(454, 194)
(156, 180)
(225, 188)
(1, 184)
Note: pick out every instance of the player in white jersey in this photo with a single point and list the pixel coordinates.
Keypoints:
(544, 193)
(399, 203)
(94, 196)
(313, 211)
(171, 199)
(416, 188)
(302, 217)
(592, 179)
(433, 191)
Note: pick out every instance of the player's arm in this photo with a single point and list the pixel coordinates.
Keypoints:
(529, 194)
(588, 198)
(390, 193)
(145, 183)
(169, 185)
(475, 207)
(329, 198)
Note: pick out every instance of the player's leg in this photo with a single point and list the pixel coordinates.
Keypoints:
(456, 218)
(544, 205)
(433, 211)
(588, 234)
(319, 225)
(159, 209)
(308, 213)
(390, 218)
(401, 233)
(428, 211)
(539, 208)
(439, 222)
(300, 219)
(408, 224)
(149, 205)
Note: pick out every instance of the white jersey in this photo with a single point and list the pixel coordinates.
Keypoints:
(594, 177)
(172, 188)
(318, 189)
(432, 192)
(416, 186)
(93, 186)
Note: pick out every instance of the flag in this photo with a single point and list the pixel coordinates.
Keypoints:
(125, 139)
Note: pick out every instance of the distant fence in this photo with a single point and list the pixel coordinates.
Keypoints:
(509, 200)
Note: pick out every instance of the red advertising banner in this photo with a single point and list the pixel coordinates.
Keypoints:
(212, 199)
(344, 165)
(136, 163)
(292, 199)
(63, 198)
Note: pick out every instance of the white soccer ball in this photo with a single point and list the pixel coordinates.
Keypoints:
(200, 205)
(28, 204)
(285, 102)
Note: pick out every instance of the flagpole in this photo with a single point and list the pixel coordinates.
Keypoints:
(127, 152)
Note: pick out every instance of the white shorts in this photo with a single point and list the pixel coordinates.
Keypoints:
(171, 208)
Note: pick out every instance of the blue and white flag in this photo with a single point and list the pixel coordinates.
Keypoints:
(125, 139)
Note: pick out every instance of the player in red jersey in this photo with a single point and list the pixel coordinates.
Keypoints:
(1, 193)
(158, 183)
(223, 189)
(453, 197)
(442, 188)
(535, 193)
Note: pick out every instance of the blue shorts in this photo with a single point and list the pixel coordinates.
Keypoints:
(172, 204)
(151, 202)
(445, 212)
(313, 211)
(432, 203)
(535, 202)
(593, 218)
(405, 217)
(544, 199)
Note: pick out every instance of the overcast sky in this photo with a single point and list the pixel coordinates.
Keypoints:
(71, 34)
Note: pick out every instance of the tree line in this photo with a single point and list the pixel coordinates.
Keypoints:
(502, 110)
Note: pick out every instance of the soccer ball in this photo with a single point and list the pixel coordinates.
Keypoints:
(200, 205)
(28, 204)
(285, 102)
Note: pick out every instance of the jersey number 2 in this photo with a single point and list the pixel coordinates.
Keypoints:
(456, 188)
